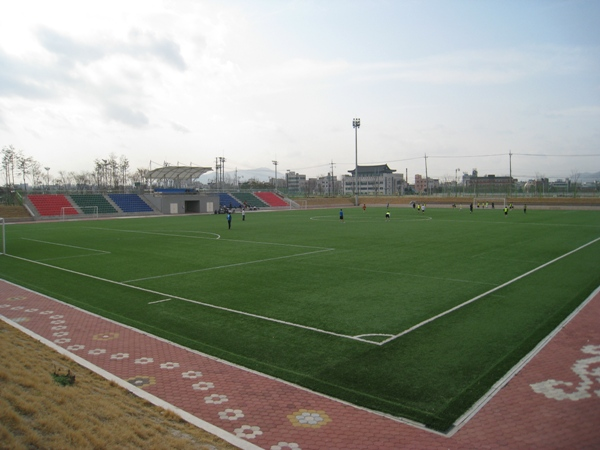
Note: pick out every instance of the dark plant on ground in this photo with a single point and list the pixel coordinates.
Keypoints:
(63, 378)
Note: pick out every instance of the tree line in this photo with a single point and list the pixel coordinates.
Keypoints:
(24, 172)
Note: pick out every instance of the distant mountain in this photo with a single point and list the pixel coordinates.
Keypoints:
(587, 176)
(260, 174)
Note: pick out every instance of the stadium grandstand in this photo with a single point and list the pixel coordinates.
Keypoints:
(271, 199)
(175, 194)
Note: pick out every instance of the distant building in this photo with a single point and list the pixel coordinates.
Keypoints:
(278, 183)
(421, 184)
(373, 180)
(295, 182)
(488, 183)
(541, 185)
(327, 185)
(559, 185)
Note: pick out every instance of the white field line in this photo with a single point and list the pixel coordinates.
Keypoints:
(277, 244)
(157, 233)
(160, 301)
(355, 219)
(96, 252)
(412, 275)
(218, 237)
(317, 250)
(208, 305)
(474, 299)
(373, 334)
(270, 319)
(503, 222)
(226, 266)
(66, 245)
(71, 257)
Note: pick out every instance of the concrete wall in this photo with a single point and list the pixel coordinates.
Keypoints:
(183, 203)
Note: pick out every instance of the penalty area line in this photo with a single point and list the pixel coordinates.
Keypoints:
(226, 266)
(69, 246)
(474, 299)
(208, 305)
(160, 301)
(164, 233)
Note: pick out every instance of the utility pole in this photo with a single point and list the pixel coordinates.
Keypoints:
(426, 176)
(331, 181)
(510, 172)
(356, 126)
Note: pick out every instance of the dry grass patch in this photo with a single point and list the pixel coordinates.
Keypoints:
(93, 413)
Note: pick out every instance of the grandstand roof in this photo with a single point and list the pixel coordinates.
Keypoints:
(178, 172)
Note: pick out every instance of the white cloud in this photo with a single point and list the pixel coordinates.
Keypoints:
(492, 66)
(254, 81)
(579, 111)
(179, 127)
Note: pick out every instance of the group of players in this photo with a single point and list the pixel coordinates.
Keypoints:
(421, 207)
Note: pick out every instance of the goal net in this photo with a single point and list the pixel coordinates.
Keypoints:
(298, 204)
(71, 211)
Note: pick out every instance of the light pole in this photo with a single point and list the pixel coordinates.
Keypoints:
(222, 160)
(456, 182)
(275, 164)
(510, 172)
(47, 178)
(356, 126)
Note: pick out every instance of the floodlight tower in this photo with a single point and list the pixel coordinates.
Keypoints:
(510, 172)
(47, 178)
(275, 164)
(222, 167)
(456, 182)
(356, 126)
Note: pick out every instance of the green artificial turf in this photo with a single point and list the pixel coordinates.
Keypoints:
(306, 298)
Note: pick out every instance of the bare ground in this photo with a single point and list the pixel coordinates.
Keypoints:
(93, 413)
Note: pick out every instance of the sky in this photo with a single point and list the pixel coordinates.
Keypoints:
(447, 85)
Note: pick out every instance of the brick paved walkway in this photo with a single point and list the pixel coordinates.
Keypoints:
(553, 401)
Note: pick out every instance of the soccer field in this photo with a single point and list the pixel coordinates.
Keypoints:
(416, 317)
